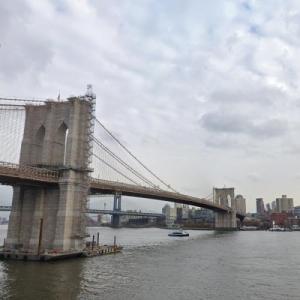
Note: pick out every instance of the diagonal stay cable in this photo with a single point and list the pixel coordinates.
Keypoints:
(128, 167)
(116, 170)
(132, 155)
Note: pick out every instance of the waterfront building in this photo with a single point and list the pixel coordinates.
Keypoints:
(178, 205)
(3, 221)
(284, 204)
(260, 206)
(297, 212)
(273, 206)
(203, 214)
(279, 219)
(185, 211)
(240, 204)
(170, 213)
(182, 211)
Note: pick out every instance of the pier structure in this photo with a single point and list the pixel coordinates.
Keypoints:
(225, 197)
(56, 137)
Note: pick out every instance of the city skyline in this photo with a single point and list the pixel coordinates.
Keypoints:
(166, 89)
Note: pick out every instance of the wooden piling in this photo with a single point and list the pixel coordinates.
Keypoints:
(40, 236)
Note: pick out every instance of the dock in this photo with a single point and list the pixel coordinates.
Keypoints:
(91, 251)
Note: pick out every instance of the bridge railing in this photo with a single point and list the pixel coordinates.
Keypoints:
(28, 171)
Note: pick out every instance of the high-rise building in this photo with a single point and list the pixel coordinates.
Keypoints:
(170, 213)
(268, 207)
(240, 204)
(273, 206)
(260, 206)
(178, 205)
(284, 204)
(185, 211)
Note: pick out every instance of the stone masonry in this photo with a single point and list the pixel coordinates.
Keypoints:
(225, 197)
(55, 137)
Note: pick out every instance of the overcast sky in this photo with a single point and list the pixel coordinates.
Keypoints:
(206, 93)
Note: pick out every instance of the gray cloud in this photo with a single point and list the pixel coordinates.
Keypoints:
(255, 177)
(227, 122)
(24, 48)
(252, 95)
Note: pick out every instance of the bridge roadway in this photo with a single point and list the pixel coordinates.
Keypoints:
(14, 174)
(5, 208)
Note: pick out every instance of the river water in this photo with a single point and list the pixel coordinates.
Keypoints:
(206, 265)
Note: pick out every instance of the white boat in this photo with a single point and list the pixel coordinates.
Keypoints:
(278, 229)
(179, 233)
(248, 228)
(296, 228)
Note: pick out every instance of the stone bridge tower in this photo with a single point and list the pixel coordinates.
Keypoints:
(57, 136)
(225, 197)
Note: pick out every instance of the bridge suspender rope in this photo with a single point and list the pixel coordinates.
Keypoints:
(11, 132)
(134, 157)
(115, 169)
(128, 167)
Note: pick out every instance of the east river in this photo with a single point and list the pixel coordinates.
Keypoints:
(207, 265)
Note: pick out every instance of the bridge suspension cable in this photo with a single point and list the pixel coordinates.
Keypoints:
(115, 169)
(123, 163)
(134, 157)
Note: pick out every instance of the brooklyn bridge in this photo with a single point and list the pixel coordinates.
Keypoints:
(55, 154)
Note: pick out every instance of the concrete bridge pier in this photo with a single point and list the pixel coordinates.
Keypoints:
(225, 220)
(116, 219)
(57, 135)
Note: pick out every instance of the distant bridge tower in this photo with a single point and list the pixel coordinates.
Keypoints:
(225, 197)
(116, 219)
(58, 136)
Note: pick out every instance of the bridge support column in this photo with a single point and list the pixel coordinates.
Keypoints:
(70, 218)
(57, 135)
(225, 220)
(116, 218)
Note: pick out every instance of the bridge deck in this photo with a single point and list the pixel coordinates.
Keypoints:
(111, 187)
(13, 174)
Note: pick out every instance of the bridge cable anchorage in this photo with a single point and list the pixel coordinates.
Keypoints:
(136, 159)
(128, 167)
(116, 170)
